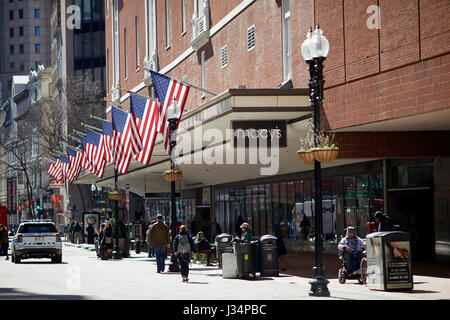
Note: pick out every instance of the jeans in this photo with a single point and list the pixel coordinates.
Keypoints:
(184, 259)
(160, 258)
(352, 262)
(4, 250)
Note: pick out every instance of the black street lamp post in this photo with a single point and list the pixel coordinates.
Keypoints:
(314, 51)
(116, 253)
(173, 114)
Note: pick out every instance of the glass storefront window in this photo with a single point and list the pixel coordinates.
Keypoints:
(347, 200)
(350, 201)
(362, 198)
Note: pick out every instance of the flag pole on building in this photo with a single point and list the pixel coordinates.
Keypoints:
(187, 84)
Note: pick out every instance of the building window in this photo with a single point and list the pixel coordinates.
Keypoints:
(11, 67)
(167, 24)
(37, 48)
(224, 56)
(22, 66)
(37, 13)
(136, 32)
(183, 17)
(251, 38)
(20, 13)
(21, 31)
(11, 15)
(125, 52)
(286, 38)
(37, 31)
(11, 49)
(21, 48)
(11, 32)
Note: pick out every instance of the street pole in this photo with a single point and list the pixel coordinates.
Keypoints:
(173, 265)
(319, 284)
(116, 253)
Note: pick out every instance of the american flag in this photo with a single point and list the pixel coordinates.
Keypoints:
(75, 167)
(84, 160)
(65, 165)
(55, 170)
(166, 89)
(126, 139)
(107, 140)
(95, 152)
(146, 116)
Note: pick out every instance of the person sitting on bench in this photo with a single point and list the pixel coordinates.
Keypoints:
(203, 246)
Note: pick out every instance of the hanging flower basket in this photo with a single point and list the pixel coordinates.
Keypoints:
(306, 156)
(173, 175)
(326, 154)
(114, 195)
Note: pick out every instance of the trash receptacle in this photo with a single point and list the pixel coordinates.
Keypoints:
(269, 256)
(229, 267)
(246, 258)
(389, 261)
(223, 244)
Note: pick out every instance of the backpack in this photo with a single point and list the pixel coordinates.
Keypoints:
(183, 244)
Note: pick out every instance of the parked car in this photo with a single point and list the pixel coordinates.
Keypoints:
(37, 239)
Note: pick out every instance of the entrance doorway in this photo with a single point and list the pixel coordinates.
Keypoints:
(414, 212)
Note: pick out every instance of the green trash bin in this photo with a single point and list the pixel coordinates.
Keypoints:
(389, 261)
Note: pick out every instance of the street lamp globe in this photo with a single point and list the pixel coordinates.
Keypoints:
(173, 111)
(305, 46)
(319, 45)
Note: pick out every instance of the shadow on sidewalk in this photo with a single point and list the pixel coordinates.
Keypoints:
(14, 294)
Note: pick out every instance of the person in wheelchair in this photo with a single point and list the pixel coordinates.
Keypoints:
(352, 248)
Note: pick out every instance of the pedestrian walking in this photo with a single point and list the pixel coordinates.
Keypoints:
(4, 241)
(151, 251)
(90, 231)
(158, 238)
(77, 232)
(183, 245)
(107, 240)
(101, 248)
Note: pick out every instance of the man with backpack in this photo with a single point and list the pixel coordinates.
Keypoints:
(158, 238)
(182, 247)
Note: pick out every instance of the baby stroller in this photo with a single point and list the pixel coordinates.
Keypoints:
(343, 274)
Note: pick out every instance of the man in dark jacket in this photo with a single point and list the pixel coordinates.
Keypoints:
(183, 245)
(158, 238)
(4, 241)
(214, 230)
(202, 245)
(383, 221)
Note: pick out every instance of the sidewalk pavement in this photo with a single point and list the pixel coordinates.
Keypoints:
(431, 281)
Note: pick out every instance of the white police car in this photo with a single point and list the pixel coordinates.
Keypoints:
(37, 239)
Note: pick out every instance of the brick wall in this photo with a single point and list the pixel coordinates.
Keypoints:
(371, 74)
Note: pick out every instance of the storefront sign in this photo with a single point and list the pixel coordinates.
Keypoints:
(56, 183)
(259, 133)
(165, 195)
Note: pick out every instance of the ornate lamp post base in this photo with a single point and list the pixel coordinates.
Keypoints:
(319, 284)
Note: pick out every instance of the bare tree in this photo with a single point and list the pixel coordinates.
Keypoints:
(20, 161)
